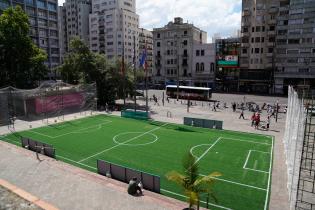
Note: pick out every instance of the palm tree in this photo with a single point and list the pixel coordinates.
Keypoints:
(193, 184)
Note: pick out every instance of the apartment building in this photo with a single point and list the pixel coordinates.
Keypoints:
(203, 64)
(73, 22)
(227, 64)
(295, 46)
(43, 18)
(175, 45)
(259, 20)
(114, 29)
(146, 43)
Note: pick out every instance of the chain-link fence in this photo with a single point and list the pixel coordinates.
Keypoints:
(48, 102)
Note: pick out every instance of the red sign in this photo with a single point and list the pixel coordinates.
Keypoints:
(54, 103)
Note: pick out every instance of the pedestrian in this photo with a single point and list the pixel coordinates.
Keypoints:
(257, 120)
(214, 107)
(253, 119)
(234, 106)
(268, 122)
(242, 115)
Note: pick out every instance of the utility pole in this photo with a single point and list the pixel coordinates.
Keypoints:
(177, 53)
(123, 74)
(134, 71)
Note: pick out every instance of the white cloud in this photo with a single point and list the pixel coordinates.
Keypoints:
(213, 16)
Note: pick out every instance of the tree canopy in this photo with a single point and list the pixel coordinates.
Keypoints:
(83, 66)
(21, 61)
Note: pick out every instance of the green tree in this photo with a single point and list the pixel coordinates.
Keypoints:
(192, 184)
(21, 61)
(82, 65)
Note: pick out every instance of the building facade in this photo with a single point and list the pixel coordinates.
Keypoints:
(146, 43)
(43, 18)
(227, 64)
(73, 22)
(203, 65)
(174, 48)
(295, 46)
(114, 29)
(259, 19)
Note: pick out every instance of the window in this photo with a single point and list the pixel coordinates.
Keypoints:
(212, 67)
(197, 67)
(253, 29)
(202, 67)
(185, 32)
(257, 28)
(256, 50)
(197, 52)
(29, 2)
(52, 6)
(202, 52)
(41, 4)
(257, 39)
(262, 50)
(158, 44)
(185, 42)
(158, 35)
(270, 50)
(293, 41)
(244, 50)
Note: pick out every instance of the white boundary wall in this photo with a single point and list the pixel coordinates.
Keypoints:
(293, 141)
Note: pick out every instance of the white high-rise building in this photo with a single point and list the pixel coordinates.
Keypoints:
(113, 27)
(73, 22)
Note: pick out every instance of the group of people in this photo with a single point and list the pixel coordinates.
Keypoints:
(256, 121)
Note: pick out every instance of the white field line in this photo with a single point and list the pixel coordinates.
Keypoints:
(261, 151)
(254, 142)
(207, 151)
(76, 131)
(244, 166)
(251, 169)
(194, 147)
(270, 168)
(237, 183)
(117, 145)
(211, 204)
(75, 162)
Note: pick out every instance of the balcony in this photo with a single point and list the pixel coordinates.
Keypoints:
(245, 54)
(245, 34)
(273, 10)
(300, 75)
(245, 45)
(271, 33)
(272, 22)
(185, 64)
(158, 56)
(185, 55)
(246, 12)
(270, 44)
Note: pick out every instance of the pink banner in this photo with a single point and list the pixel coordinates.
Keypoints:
(54, 103)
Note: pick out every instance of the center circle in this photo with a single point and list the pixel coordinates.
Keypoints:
(152, 138)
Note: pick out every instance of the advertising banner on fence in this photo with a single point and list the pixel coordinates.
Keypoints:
(55, 103)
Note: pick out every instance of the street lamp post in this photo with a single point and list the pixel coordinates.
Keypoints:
(134, 71)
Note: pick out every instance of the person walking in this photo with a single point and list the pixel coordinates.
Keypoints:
(242, 115)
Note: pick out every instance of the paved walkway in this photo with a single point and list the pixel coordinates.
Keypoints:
(68, 187)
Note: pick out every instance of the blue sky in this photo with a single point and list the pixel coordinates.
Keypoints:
(212, 16)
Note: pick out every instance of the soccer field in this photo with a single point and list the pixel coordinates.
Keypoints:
(243, 159)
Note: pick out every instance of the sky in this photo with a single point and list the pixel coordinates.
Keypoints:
(212, 16)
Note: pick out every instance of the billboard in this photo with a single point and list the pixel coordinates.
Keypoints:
(54, 103)
(228, 61)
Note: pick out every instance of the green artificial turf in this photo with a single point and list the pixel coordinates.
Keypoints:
(243, 159)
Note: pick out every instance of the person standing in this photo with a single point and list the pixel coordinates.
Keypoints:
(253, 119)
(268, 122)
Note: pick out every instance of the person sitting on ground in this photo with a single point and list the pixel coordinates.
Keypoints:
(133, 187)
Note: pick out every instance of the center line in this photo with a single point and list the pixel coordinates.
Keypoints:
(113, 147)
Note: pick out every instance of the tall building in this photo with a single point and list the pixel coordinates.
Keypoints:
(295, 45)
(73, 22)
(43, 18)
(114, 29)
(146, 43)
(227, 63)
(259, 19)
(174, 47)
